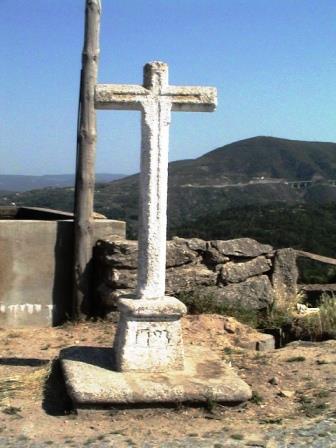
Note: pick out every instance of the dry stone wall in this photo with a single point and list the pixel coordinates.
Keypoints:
(236, 273)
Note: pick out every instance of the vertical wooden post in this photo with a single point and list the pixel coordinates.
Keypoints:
(85, 164)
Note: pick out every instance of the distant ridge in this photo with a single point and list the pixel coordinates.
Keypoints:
(256, 171)
(257, 157)
(13, 182)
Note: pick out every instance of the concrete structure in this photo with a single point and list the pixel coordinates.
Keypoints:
(36, 264)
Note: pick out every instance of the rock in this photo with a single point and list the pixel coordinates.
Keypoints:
(211, 257)
(123, 254)
(195, 244)
(304, 309)
(97, 215)
(238, 272)
(120, 278)
(118, 253)
(260, 342)
(267, 342)
(229, 326)
(255, 293)
(188, 277)
(287, 393)
(285, 275)
(241, 247)
(108, 297)
(274, 381)
(179, 253)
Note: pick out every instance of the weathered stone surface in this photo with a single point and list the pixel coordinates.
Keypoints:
(263, 343)
(108, 297)
(118, 253)
(155, 99)
(189, 277)
(123, 254)
(285, 275)
(238, 272)
(241, 247)
(212, 257)
(255, 293)
(149, 335)
(120, 278)
(179, 253)
(195, 244)
(91, 380)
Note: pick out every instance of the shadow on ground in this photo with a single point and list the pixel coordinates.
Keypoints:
(55, 398)
(25, 362)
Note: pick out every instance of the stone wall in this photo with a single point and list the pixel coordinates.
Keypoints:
(236, 273)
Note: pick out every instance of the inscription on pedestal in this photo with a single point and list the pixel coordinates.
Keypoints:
(151, 338)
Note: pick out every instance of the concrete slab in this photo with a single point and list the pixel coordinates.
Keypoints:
(36, 269)
(92, 382)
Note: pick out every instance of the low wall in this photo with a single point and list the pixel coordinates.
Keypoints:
(36, 268)
(236, 273)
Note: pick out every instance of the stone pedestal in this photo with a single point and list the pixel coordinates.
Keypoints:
(94, 384)
(149, 335)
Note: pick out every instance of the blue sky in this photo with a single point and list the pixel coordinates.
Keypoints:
(272, 61)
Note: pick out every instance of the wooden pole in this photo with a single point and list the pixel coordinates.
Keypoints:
(85, 164)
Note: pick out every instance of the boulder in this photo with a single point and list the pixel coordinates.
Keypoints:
(188, 277)
(118, 253)
(241, 247)
(285, 276)
(123, 254)
(195, 244)
(238, 272)
(120, 278)
(108, 297)
(255, 293)
(179, 253)
(211, 257)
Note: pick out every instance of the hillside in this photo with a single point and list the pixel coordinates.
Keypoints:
(25, 183)
(254, 172)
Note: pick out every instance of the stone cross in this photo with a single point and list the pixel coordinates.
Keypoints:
(155, 99)
(149, 335)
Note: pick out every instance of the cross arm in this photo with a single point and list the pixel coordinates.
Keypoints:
(192, 98)
(119, 96)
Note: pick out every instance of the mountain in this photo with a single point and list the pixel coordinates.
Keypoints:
(26, 183)
(256, 171)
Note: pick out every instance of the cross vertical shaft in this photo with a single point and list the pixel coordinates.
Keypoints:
(153, 186)
(156, 99)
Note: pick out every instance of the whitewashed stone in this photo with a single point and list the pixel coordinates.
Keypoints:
(149, 338)
(149, 331)
(155, 99)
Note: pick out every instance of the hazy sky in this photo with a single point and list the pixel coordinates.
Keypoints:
(273, 62)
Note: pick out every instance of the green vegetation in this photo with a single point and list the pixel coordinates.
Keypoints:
(200, 206)
(320, 325)
(201, 302)
(256, 398)
(312, 407)
(307, 227)
(296, 359)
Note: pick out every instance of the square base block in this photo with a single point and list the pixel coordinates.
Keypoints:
(93, 383)
(149, 335)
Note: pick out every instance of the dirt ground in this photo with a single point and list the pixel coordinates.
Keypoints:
(290, 386)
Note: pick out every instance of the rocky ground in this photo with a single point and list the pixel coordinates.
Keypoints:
(293, 404)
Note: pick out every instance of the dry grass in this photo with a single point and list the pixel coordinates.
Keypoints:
(32, 383)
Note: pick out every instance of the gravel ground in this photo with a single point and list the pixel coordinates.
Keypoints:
(316, 435)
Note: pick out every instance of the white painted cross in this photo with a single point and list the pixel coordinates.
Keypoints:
(155, 99)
